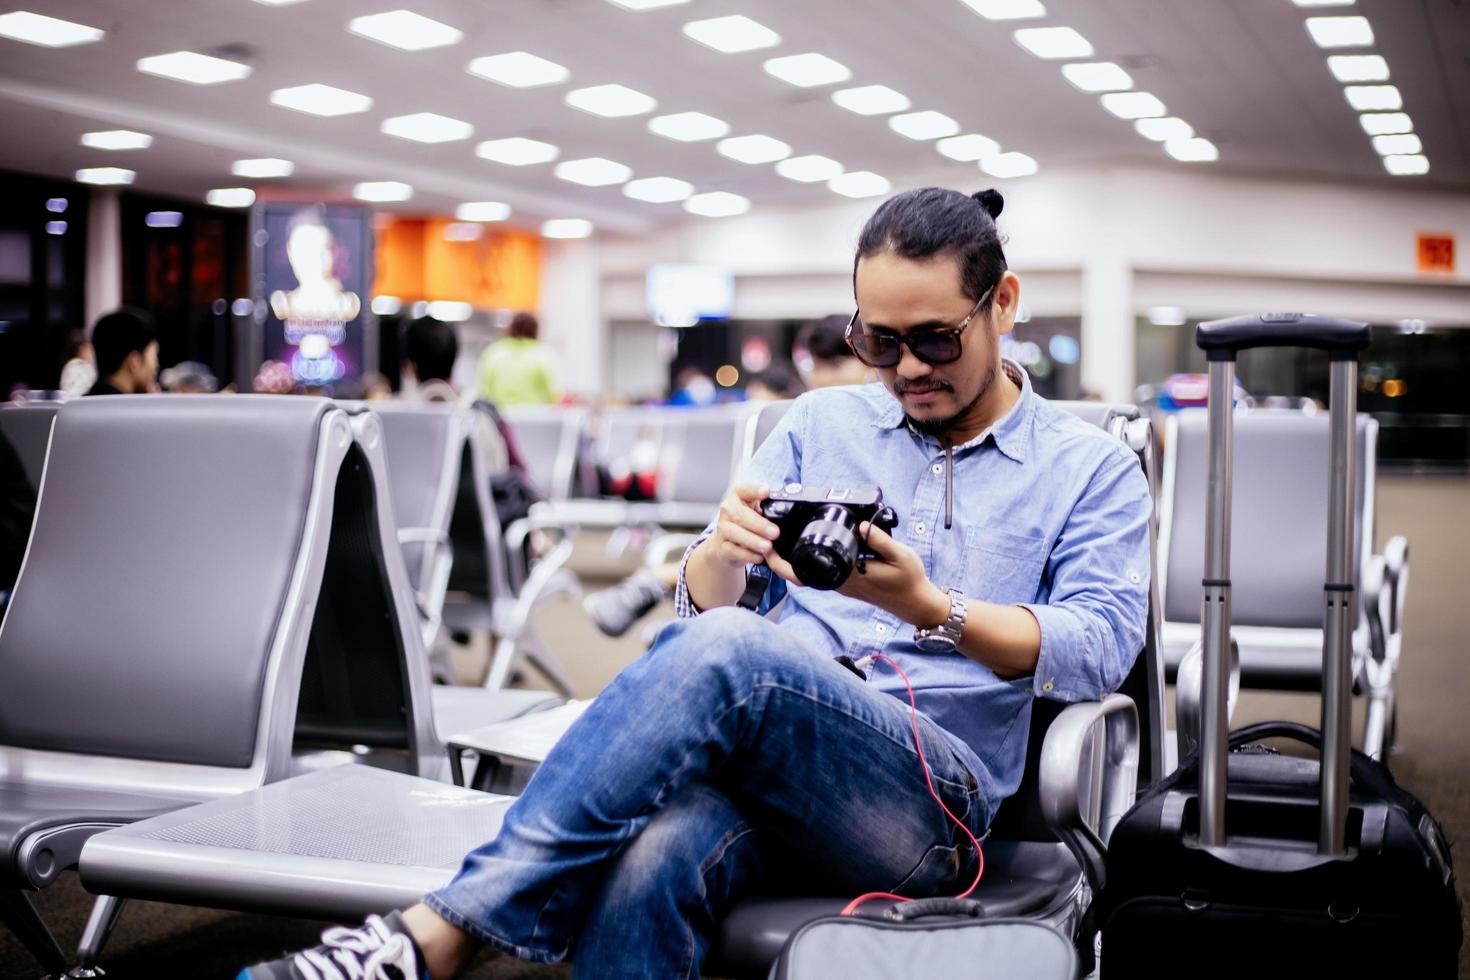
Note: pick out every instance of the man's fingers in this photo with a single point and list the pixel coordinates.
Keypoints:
(879, 541)
(782, 567)
(749, 540)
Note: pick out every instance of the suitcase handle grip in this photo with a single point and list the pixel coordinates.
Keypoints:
(1365, 773)
(1222, 340)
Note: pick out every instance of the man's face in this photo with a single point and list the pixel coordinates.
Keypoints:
(144, 368)
(900, 295)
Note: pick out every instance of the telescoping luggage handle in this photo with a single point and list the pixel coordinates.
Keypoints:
(1222, 340)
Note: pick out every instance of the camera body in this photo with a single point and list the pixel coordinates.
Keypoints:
(819, 535)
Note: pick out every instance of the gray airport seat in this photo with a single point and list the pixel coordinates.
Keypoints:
(263, 624)
(549, 440)
(28, 427)
(1278, 540)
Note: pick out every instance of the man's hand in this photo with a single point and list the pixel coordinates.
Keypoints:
(742, 535)
(896, 582)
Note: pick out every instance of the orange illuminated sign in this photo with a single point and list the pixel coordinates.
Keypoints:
(1436, 252)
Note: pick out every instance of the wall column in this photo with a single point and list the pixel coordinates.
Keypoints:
(102, 283)
(1108, 326)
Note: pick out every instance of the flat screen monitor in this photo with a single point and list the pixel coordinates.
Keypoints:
(683, 295)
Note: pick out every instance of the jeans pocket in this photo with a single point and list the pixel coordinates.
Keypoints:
(934, 874)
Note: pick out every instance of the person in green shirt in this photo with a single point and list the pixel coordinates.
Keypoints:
(519, 369)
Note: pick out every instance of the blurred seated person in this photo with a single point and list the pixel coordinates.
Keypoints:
(430, 349)
(772, 385)
(374, 387)
(519, 369)
(693, 388)
(78, 365)
(189, 378)
(17, 508)
(126, 344)
(822, 357)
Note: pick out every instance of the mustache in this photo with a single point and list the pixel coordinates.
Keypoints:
(928, 384)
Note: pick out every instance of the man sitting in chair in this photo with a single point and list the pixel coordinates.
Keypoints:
(739, 753)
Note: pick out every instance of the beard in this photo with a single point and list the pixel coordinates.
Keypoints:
(937, 427)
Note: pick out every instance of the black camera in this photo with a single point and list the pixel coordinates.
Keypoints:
(819, 525)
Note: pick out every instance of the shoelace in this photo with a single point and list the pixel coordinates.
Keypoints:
(382, 946)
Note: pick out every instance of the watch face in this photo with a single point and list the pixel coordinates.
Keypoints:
(934, 643)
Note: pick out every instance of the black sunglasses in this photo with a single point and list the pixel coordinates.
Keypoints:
(940, 345)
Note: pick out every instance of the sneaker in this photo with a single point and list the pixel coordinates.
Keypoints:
(616, 609)
(380, 949)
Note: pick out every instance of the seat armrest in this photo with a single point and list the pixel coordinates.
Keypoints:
(1189, 694)
(1396, 579)
(515, 537)
(667, 547)
(1086, 787)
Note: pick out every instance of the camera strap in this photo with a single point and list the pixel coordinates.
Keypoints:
(757, 577)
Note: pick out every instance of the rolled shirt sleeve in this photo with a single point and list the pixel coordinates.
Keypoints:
(1093, 622)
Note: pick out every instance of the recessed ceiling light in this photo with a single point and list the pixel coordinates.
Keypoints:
(321, 100)
(859, 183)
(517, 151)
(1358, 67)
(192, 67)
(382, 190)
(1007, 165)
(519, 69)
(262, 167)
(48, 32)
(1340, 32)
(56, 227)
(1386, 123)
(427, 127)
(807, 70)
(1398, 144)
(646, 4)
(926, 125)
(230, 197)
(117, 139)
(405, 30)
(1098, 76)
(611, 101)
(658, 190)
(809, 169)
(717, 204)
(731, 34)
(1164, 128)
(1133, 105)
(593, 171)
(566, 228)
(871, 100)
(968, 148)
(1054, 42)
(1196, 149)
(688, 127)
(482, 211)
(104, 176)
(163, 219)
(1370, 98)
(1006, 9)
(1411, 165)
(1167, 316)
(753, 149)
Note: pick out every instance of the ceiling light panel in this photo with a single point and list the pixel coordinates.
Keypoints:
(593, 171)
(1340, 32)
(1406, 166)
(1374, 98)
(482, 211)
(1009, 165)
(1386, 123)
(321, 100)
(871, 100)
(807, 70)
(968, 148)
(1399, 143)
(194, 68)
(1054, 42)
(1006, 9)
(717, 204)
(1196, 149)
(105, 176)
(47, 32)
(809, 169)
(428, 127)
(1164, 128)
(230, 197)
(1133, 105)
(382, 191)
(117, 139)
(926, 125)
(519, 69)
(688, 127)
(859, 183)
(405, 30)
(263, 167)
(757, 148)
(658, 190)
(732, 35)
(517, 151)
(1358, 67)
(1098, 76)
(611, 101)
(566, 228)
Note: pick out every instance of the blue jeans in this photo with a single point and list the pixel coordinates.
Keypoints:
(723, 762)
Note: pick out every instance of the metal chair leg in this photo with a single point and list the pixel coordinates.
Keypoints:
(20, 917)
(99, 926)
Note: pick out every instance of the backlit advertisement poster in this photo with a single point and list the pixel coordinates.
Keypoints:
(313, 267)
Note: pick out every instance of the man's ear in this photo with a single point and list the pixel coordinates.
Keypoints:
(1006, 302)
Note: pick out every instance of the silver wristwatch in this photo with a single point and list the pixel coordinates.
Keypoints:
(946, 636)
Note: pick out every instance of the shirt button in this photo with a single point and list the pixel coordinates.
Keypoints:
(919, 528)
(1046, 687)
(1133, 576)
(880, 629)
(937, 469)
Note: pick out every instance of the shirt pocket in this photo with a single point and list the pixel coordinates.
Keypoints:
(1003, 567)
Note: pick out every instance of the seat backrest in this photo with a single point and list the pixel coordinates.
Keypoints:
(548, 439)
(1020, 817)
(168, 566)
(619, 430)
(760, 425)
(1098, 413)
(1278, 527)
(701, 451)
(423, 444)
(28, 427)
(475, 533)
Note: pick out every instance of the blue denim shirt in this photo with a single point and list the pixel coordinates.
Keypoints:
(1050, 513)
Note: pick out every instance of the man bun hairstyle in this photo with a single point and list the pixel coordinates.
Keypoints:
(929, 221)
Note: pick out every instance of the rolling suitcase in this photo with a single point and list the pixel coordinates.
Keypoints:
(1251, 864)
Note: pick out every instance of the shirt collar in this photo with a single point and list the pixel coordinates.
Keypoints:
(1011, 432)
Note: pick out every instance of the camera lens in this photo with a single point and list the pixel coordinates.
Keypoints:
(824, 554)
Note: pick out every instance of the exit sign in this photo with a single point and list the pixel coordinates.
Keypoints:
(1436, 252)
